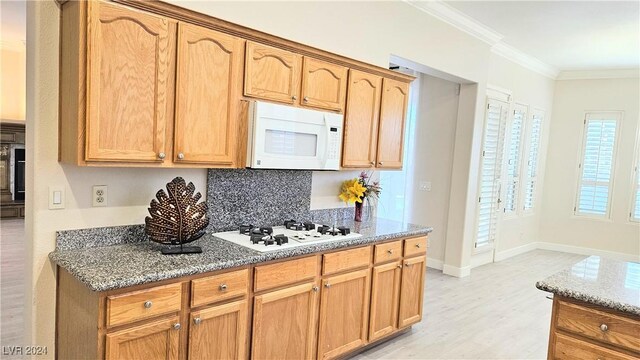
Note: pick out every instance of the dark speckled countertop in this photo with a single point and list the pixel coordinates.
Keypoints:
(118, 266)
(596, 280)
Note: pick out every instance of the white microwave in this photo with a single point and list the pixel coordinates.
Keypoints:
(287, 137)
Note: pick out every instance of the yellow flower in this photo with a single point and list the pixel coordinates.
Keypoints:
(352, 191)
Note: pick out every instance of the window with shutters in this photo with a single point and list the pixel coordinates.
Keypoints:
(513, 158)
(531, 168)
(489, 202)
(634, 214)
(597, 164)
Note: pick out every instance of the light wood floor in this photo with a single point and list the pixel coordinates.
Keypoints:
(496, 313)
(12, 282)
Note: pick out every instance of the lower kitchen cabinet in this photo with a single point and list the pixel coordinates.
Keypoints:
(411, 291)
(385, 295)
(284, 323)
(219, 332)
(157, 340)
(344, 313)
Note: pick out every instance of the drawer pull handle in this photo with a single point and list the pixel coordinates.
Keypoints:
(223, 287)
(604, 327)
(176, 326)
(197, 321)
(390, 252)
(147, 304)
(327, 285)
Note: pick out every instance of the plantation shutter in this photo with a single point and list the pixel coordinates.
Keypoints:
(597, 164)
(532, 161)
(635, 208)
(490, 172)
(514, 149)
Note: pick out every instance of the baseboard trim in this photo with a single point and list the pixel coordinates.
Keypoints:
(456, 271)
(505, 254)
(435, 263)
(587, 251)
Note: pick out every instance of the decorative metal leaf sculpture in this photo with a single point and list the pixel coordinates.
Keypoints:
(177, 217)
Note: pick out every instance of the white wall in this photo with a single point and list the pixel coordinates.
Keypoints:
(558, 224)
(13, 62)
(433, 159)
(370, 32)
(535, 91)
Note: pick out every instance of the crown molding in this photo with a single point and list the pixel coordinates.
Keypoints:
(525, 60)
(454, 17)
(12, 45)
(599, 74)
(457, 19)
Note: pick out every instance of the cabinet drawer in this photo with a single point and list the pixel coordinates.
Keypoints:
(599, 325)
(345, 260)
(387, 252)
(568, 348)
(143, 304)
(283, 273)
(415, 246)
(219, 287)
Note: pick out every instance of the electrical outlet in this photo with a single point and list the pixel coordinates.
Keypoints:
(425, 185)
(99, 195)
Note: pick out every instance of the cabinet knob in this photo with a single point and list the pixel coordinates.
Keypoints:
(399, 266)
(389, 251)
(196, 321)
(327, 285)
(176, 326)
(372, 163)
(380, 163)
(418, 246)
(162, 155)
(406, 265)
(294, 97)
(223, 287)
(180, 156)
(604, 327)
(305, 99)
(315, 288)
(147, 304)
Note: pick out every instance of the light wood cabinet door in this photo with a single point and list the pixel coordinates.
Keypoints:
(207, 96)
(385, 295)
(344, 313)
(393, 110)
(284, 323)
(156, 340)
(272, 74)
(128, 67)
(361, 120)
(219, 332)
(411, 291)
(324, 85)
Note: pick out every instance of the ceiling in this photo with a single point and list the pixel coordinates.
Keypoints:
(568, 35)
(13, 16)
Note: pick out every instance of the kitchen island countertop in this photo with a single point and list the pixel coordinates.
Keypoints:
(600, 281)
(119, 266)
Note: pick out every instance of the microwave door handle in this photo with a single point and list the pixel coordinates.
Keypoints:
(327, 129)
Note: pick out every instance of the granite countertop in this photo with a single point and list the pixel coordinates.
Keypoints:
(596, 280)
(118, 266)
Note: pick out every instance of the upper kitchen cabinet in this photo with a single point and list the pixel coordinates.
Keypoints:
(272, 74)
(361, 120)
(128, 65)
(393, 109)
(324, 85)
(208, 85)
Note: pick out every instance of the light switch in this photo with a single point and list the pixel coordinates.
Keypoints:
(425, 185)
(56, 198)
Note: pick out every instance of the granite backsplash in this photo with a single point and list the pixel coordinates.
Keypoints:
(234, 197)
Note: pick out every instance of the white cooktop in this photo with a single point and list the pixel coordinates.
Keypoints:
(296, 238)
